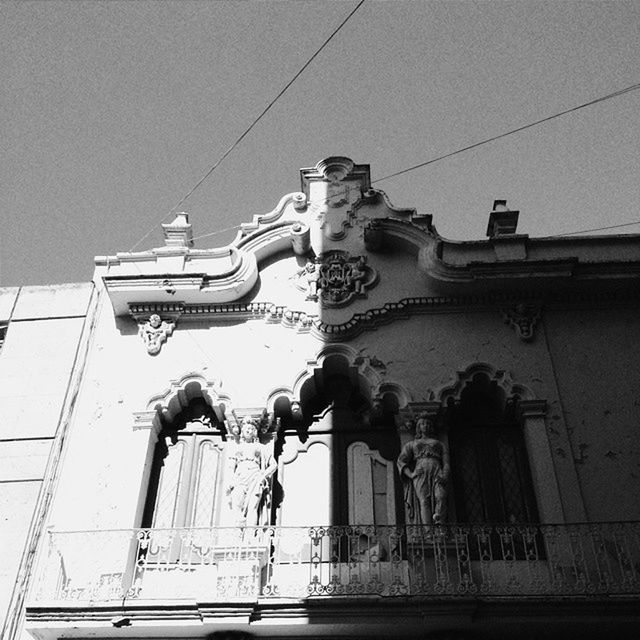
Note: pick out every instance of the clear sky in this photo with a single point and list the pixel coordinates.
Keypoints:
(112, 111)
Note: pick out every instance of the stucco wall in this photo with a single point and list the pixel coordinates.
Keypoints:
(105, 461)
(595, 355)
(425, 353)
(45, 324)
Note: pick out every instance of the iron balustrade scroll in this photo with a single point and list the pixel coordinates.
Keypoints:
(218, 564)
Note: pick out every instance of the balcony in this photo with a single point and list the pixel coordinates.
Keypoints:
(94, 568)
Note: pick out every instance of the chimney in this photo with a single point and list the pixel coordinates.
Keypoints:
(502, 221)
(179, 232)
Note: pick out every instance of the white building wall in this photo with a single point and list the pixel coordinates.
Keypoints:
(44, 327)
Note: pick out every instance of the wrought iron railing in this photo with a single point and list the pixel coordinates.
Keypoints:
(218, 564)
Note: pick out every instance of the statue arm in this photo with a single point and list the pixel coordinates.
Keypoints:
(446, 467)
(268, 464)
(406, 462)
(231, 473)
(271, 467)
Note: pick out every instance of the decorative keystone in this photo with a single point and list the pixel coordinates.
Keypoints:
(502, 221)
(179, 232)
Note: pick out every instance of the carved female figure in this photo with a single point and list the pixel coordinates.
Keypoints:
(424, 469)
(252, 465)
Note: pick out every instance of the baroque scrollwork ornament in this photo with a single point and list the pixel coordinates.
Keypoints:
(154, 333)
(523, 319)
(335, 278)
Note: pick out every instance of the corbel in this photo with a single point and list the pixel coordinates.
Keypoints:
(156, 323)
(523, 319)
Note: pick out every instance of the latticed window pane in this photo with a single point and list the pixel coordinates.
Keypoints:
(379, 484)
(206, 480)
(186, 473)
(512, 490)
(491, 475)
(472, 503)
(165, 512)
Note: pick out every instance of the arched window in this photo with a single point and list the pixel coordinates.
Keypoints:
(352, 447)
(491, 479)
(185, 480)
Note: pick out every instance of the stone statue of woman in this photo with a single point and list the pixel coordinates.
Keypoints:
(424, 469)
(252, 466)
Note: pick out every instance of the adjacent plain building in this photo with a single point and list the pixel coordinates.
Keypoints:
(341, 425)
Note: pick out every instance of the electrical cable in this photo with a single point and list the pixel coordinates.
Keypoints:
(556, 235)
(615, 94)
(633, 87)
(573, 233)
(255, 122)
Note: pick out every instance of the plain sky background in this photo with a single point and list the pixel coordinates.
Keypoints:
(112, 111)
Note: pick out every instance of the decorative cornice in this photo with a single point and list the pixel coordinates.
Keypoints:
(304, 322)
(299, 201)
(336, 200)
(236, 273)
(516, 257)
(143, 311)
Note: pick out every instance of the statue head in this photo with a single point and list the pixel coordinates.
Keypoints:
(425, 426)
(248, 430)
(155, 321)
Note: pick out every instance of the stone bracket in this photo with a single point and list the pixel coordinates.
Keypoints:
(523, 319)
(156, 322)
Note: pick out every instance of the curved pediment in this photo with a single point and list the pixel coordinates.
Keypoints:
(327, 231)
(337, 257)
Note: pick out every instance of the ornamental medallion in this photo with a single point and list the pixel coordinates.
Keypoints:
(335, 278)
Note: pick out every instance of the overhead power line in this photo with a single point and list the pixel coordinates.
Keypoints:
(555, 235)
(244, 134)
(573, 233)
(633, 87)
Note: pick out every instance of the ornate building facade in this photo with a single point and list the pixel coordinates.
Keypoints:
(341, 425)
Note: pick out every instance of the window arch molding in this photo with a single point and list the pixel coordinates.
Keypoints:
(164, 407)
(531, 412)
(345, 430)
(162, 410)
(381, 394)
